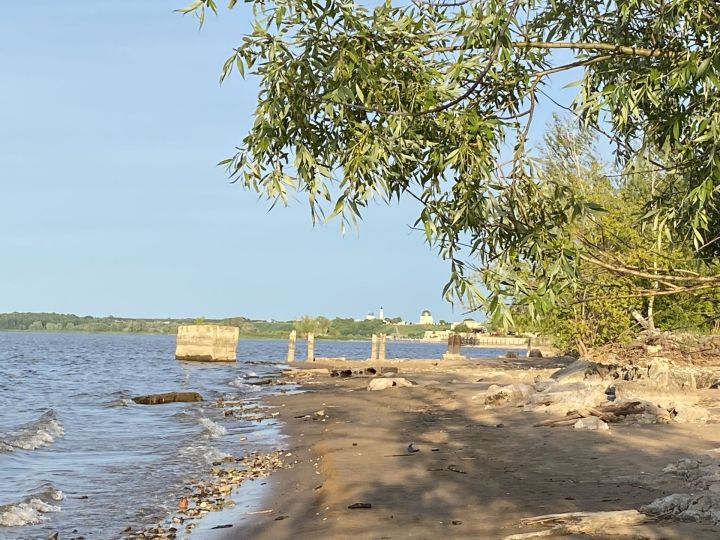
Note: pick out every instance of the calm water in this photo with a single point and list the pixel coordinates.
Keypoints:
(78, 457)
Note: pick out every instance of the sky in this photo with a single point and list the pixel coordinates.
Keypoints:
(112, 121)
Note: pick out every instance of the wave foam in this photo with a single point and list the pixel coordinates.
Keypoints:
(31, 509)
(242, 385)
(32, 435)
(212, 429)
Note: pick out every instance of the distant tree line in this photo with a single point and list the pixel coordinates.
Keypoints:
(338, 328)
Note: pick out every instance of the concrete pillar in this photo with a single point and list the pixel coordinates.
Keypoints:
(457, 340)
(291, 346)
(453, 351)
(374, 347)
(453, 345)
(381, 347)
(311, 348)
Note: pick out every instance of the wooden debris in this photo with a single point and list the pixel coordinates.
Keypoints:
(610, 413)
(580, 523)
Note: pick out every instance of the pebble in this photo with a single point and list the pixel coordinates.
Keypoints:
(215, 494)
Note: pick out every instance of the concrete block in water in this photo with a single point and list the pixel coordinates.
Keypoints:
(207, 343)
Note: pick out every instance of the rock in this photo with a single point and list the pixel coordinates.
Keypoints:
(704, 506)
(383, 383)
(639, 390)
(591, 423)
(686, 414)
(535, 353)
(575, 372)
(560, 397)
(511, 354)
(169, 397)
(512, 394)
(665, 374)
(359, 505)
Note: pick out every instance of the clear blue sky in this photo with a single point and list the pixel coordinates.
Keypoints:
(111, 122)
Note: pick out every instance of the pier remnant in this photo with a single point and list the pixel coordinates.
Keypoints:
(374, 347)
(291, 347)
(381, 347)
(207, 343)
(453, 352)
(311, 347)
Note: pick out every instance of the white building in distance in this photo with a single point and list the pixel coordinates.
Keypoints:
(426, 317)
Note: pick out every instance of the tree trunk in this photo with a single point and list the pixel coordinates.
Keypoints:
(651, 313)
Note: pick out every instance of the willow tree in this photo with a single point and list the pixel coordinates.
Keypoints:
(434, 100)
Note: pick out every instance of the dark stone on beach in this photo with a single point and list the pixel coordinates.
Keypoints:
(535, 353)
(371, 370)
(262, 382)
(54, 536)
(456, 522)
(356, 506)
(511, 354)
(280, 518)
(227, 526)
(169, 397)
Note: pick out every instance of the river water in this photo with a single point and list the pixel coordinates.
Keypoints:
(77, 456)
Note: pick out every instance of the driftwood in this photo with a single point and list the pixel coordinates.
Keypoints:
(169, 397)
(580, 523)
(612, 412)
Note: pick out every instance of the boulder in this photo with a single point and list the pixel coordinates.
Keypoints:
(663, 396)
(383, 383)
(703, 506)
(559, 397)
(665, 374)
(535, 353)
(575, 372)
(687, 414)
(168, 397)
(512, 394)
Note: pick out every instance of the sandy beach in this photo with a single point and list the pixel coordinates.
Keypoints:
(476, 472)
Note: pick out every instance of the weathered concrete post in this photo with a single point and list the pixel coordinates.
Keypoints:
(311, 348)
(381, 347)
(291, 347)
(453, 352)
(457, 341)
(374, 347)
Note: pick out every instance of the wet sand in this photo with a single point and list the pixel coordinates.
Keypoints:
(477, 471)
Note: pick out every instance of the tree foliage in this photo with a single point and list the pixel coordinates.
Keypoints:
(434, 101)
(604, 304)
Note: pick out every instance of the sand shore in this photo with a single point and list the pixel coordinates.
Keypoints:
(478, 471)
